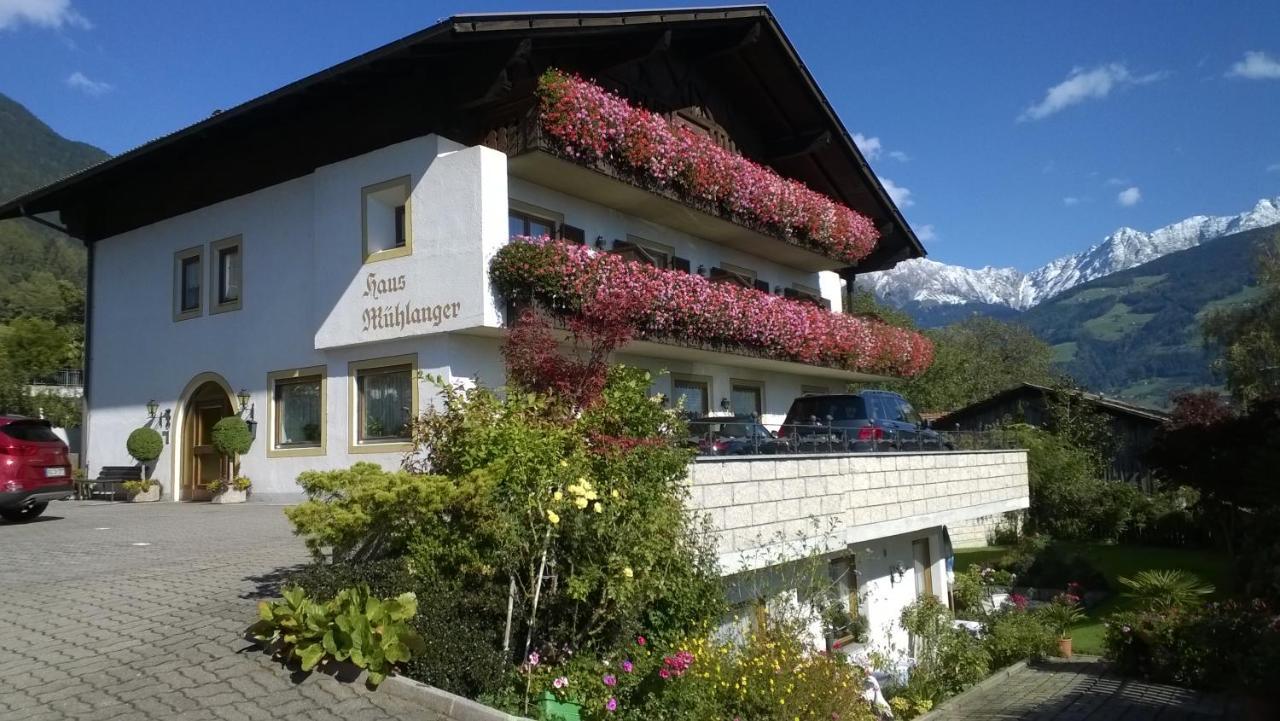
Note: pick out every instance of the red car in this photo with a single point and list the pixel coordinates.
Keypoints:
(34, 468)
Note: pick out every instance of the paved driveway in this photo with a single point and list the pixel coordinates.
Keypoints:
(1081, 690)
(134, 611)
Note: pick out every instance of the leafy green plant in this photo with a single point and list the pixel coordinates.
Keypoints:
(231, 438)
(216, 486)
(948, 660)
(1016, 635)
(1163, 589)
(1061, 615)
(139, 486)
(241, 483)
(354, 626)
(144, 446)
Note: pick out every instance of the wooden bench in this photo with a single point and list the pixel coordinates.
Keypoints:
(110, 479)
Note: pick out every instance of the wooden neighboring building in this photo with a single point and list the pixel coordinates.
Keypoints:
(1134, 426)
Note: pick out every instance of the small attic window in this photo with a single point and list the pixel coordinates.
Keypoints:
(387, 219)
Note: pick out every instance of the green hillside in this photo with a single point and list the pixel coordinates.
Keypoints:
(33, 257)
(1136, 334)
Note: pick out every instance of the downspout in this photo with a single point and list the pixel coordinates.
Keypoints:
(88, 327)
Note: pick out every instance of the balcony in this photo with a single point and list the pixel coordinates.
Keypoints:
(832, 501)
(585, 141)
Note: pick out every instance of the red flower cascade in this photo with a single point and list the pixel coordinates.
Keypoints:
(573, 280)
(590, 123)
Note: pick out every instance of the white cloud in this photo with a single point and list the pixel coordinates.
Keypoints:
(1082, 85)
(1256, 65)
(899, 156)
(927, 233)
(53, 14)
(901, 196)
(1273, 168)
(1070, 201)
(1117, 181)
(870, 147)
(86, 85)
(1129, 196)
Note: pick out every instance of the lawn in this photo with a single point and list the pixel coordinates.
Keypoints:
(1114, 562)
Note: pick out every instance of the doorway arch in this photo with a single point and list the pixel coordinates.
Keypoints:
(206, 399)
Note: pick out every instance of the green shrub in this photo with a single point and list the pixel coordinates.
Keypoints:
(1232, 645)
(216, 486)
(135, 487)
(967, 593)
(231, 436)
(144, 445)
(1039, 563)
(241, 483)
(1014, 635)
(1161, 590)
(1063, 613)
(948, 660)
(370, 632)
(461, 626)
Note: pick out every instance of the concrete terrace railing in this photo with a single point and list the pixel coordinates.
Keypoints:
(830, 501)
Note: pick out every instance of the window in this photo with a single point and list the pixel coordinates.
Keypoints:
(385, 402)
(387, 217)
(746, 398)
(844, 584)
(187, 271)
(693, 393)
(298, 412)
(226, 273)
(532, 221)
(658, 255)
(807, 294)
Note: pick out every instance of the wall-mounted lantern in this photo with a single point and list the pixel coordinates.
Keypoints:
(897, 572)
(243, 397)
(152, 407)
(165, 419)
(725, 404)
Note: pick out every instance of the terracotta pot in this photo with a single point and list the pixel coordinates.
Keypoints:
(1064, 647)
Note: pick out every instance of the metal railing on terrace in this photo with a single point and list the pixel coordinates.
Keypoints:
(734, 437)
(64, 377)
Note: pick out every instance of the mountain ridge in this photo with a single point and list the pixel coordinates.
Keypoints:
(924, 283)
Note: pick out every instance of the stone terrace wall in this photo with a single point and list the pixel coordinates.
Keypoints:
(753, 501)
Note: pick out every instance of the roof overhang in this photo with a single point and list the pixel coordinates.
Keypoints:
(449, 78)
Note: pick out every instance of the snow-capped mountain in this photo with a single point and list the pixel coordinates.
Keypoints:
(929, 282)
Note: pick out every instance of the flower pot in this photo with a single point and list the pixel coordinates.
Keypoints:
(1064, 648)
(553, 709)
(147, 496)
(230, 495)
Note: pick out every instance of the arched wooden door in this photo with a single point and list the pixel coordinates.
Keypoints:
(201, 462)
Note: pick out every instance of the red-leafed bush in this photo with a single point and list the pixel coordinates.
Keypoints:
(604, 290)
(590, 123)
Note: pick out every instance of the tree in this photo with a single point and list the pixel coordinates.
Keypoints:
(34, 348)
(1248, 335)
(976, 359)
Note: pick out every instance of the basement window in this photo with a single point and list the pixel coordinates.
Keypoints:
(386, 214)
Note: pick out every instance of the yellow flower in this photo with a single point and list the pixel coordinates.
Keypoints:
(553, 517)
(614, 493)
(558, 495)
(574, 488)
(597, 507)
(580, 502)
(628, 573)
(564, 464)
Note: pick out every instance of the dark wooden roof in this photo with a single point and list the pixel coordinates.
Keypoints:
(1111, 406)
(457, 77)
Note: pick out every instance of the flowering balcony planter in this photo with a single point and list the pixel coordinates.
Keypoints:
(584, 141)
(676, 307)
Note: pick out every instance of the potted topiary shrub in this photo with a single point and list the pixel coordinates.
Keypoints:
(144, 446)
(231, 438)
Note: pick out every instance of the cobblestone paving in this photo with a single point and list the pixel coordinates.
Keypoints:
(134, 611)
(1082, 691)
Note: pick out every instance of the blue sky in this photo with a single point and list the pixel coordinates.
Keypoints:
(1014, 132)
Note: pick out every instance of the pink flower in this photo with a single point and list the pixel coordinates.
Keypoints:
(611, 705)
(591, 124)
(533, 658)
(626, 666)
(610, 680)
(640, 640)
(560, 682)
(664, 673)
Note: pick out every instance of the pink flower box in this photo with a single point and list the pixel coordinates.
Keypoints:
(591, 124)
(686, 308)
